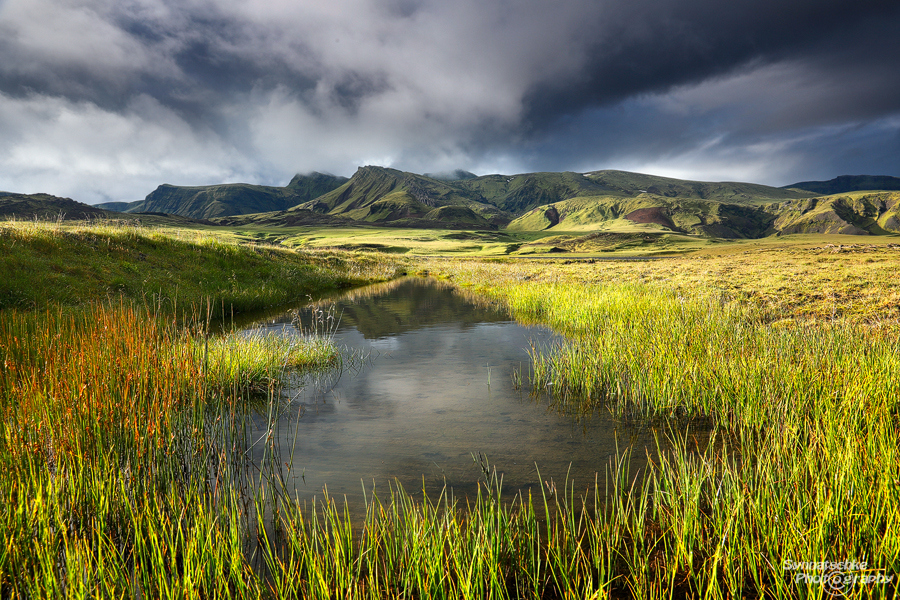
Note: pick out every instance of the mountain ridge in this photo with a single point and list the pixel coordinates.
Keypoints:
(46, 206)
(376, 194)
(604, 200)
(229, 199)
(849, 183)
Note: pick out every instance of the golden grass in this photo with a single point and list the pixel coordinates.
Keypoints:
(785, 281)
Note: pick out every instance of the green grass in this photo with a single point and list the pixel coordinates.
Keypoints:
(393, 240)
(124, 451)
(248, 360)
(112, 419)
(805, 412)
(475, 243)
(45, 264)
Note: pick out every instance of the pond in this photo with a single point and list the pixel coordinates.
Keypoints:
(433, 400)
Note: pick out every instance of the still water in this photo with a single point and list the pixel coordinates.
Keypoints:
(434, 391)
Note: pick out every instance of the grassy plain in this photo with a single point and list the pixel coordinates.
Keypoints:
(450, 242)
(124, 469)
(46, 264)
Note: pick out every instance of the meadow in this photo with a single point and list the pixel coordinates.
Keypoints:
(48, 264)
(124, 460)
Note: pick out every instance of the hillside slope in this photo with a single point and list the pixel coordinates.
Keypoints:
(118, 206)
(857, 213)
(208, 201)
(42, 265)
(45, 206)
(519, 193)
(635, 184)
(379, 194)
(849, 183)
(708, 218)
(312, 185)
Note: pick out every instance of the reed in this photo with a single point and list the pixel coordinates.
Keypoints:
(803, 417)
(116, 424)
(124, 470)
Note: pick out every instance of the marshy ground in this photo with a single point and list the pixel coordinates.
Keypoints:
(123, 472)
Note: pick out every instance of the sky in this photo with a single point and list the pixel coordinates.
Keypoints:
(103, 100)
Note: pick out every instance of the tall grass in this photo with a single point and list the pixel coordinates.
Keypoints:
(116, 424)
(804, 416)
(644, 352)
(123, 470)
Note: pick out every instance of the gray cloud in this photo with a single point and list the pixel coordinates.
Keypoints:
(106, 99)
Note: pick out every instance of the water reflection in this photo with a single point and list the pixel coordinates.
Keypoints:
(436, 389)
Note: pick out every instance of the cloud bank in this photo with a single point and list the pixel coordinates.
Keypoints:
(105, 99)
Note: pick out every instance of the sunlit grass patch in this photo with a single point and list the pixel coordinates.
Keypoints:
(804, 403)
(46, 264)
(259, 360)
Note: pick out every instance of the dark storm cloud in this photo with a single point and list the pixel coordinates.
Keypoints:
(111, 97)
(649, 46)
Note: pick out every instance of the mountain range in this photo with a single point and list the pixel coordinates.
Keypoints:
(594, 201)
(207, 201)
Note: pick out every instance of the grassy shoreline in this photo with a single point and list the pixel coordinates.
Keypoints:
(124, 471)
(45, 264)
(806, 407)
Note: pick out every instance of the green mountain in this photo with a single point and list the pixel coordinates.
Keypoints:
(45, 206)
(516, 194)
(118, 206)
(312, 185)
(204, 202)
(455, 175)
(379, 195)
(635, 184)
(856, 213)
(849, 183)
(208, 201)
(648, 212)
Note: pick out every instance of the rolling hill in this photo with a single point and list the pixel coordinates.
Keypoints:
(849, 183)
(635, 184)
(516, 194)
(598, 201)
(379, 194)
(649, 212)
(204, 202)
(45, 206)
(858, 213)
